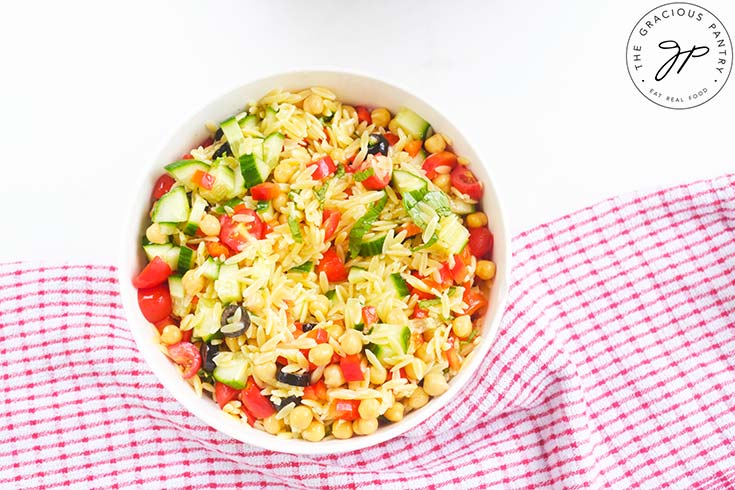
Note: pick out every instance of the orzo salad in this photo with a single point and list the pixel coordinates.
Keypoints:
(318, 269)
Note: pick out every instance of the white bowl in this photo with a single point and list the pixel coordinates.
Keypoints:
(354, 89)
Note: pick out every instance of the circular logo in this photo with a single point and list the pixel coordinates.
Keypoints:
(679, 55)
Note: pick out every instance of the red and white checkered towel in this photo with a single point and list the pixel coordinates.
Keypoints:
(614, 368)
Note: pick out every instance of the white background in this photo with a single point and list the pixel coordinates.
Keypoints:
(89, 89)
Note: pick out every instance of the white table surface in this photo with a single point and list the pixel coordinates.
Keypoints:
(89, 88)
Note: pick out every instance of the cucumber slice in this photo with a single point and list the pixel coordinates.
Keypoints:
(272, 147)
(227, 285)
(412, 124)
(452, 236)
(210, 268)
(186, 260)
(305, 267)
(373, 247)
(233, 133)
(167, 252)
(356, 274)
(167, 228)
(198, 207)
(269, 121)
(254, 171)
(394, 341)
(439, 202)
(461, 207)
(173, 207)
(207, 319)
(249, 124)
(224, 184)
(411, 184)
(399, 285)
(184, 170)
(234, 372)
(175, 287)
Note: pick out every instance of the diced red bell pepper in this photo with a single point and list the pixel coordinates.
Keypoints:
(392, 138)
(411, 229)
(323, 167)
(215, 249)
(316, 392)
(363, 114)
(332, 266)
(253, 400)
(475, 300)
(436, 160)
(413, 147)
(350, 366)
(203, 179)
(330, 221)
(369, 315)
(224, 394)
(266, 191)
(346, 409)
(419, 312)
(319, 334)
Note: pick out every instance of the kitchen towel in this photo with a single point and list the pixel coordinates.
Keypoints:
(614, 368)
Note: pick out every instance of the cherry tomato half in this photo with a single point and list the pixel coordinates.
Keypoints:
(332, 266)
(330, 221)
(152, 274)
(224, 394)
(234, 234)
(186, 355)
(441, 159)
(346, 409)
(465, 182)
(481, 242)
(162, 186)
(155, 302)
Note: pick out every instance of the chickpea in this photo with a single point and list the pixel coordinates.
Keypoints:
(416, 369)
(351, 342)
(418, 398)
(192, 282)
(378, 375)
(435, 383)
(333, 376)
(272, 425)
(209, 225)
(393, 126)
(314, 432)
(320, 304)
(424, 354)
(171, 335)
(443, 182)
(342, 429)
(477, 220)
(300, 417)
(336, 330)
(321, 354)
(154, 234)
(365, 426)
(283, 173)
(395, 412)
(381, 117)
(462, 326)
(369, 409)
(313, 104)
(435, 144)
(485, 269)
(279, 202)
(265, 372)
